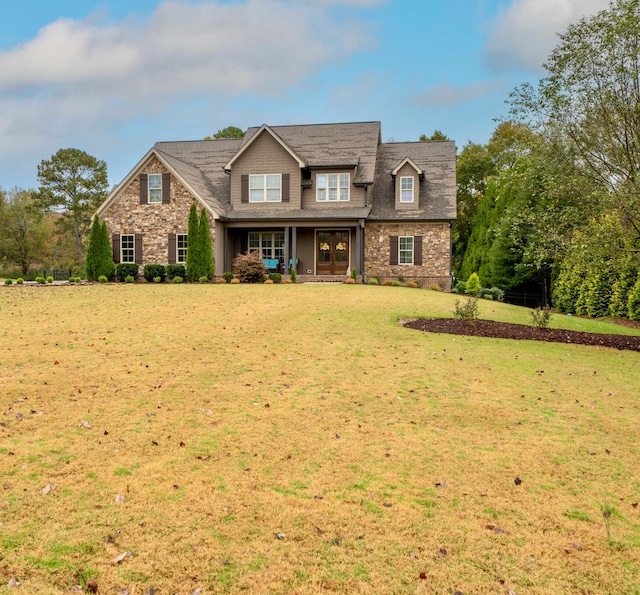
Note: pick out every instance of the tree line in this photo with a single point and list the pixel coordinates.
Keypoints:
(553, 199)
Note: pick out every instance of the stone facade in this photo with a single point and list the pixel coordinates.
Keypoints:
(436, 252)
(154, 221)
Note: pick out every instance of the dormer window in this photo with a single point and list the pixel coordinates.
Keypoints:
(406, 189)
(332, 187)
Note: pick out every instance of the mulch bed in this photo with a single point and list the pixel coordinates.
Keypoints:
(507, 330)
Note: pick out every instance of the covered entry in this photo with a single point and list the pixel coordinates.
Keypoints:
(332, 252)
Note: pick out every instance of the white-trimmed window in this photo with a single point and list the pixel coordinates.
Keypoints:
(265, 188)
(332, 187)
(269, 243)
(127, 248)
(181, 248)
(155, 188)
(405, 250)
(406, 189)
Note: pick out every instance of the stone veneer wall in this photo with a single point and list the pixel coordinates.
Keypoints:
(436, 252)
(125, 215)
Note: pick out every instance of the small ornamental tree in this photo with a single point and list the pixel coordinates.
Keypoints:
(249, 268)
(99, 261)
(207, 266)
(193, 249)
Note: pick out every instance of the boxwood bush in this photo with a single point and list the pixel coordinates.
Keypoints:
(151, 271)
(126, 269)
(175, 270)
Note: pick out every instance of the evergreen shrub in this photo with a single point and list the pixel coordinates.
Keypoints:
(634, 301)
(128, 279)
(8, 281)
(19, 280)
(151, 271)
(49, 279)
(126, 269)
(103, 279)
(293, 276)
(275, 277)
(373, 281)
(203, 279)
(177, 279)
(227, 276)
(473, 284)
(174, 270)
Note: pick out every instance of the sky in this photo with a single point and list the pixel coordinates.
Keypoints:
(112, 77)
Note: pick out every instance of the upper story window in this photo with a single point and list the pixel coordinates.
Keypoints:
(332, 187)
(406, 189)
(265, 188)
(155, 188)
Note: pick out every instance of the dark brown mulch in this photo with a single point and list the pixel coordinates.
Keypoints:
(507, 330)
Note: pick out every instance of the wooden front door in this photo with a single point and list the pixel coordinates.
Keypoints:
(332, 248)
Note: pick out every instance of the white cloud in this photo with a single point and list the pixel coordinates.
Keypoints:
(447, 95)
(524, 33)
(96, 75)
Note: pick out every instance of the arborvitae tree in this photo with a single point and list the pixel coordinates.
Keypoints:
(634, 301)
(619, 305)
(193, 245)
(107, 265)
(205, 244)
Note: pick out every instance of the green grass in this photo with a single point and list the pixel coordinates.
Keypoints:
(230, 415)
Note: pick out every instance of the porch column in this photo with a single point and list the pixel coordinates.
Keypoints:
(294, 247)
(287, 256)
(220, 247)
(360, 249)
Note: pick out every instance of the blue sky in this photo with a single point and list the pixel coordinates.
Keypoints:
(111, 77)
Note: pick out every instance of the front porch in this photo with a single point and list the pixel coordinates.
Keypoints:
(319, 252)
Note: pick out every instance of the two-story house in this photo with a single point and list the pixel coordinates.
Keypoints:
(320, 198)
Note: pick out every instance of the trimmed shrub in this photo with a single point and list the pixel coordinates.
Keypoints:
(193, 250)
(373, 281)
(103, 279)
(354, 274)
(275, 277)
(293, 276)
(203, 279)
(473, 284)
(126, 269)
(19, 280)
(151, 271)
(174, 270)
(41, 280)
(157, 279)
(49, 279)
(8, 281)
(177, 279)
(227, 276)
(396, 284)
(249, 268)
(493, 293)
(72, 279)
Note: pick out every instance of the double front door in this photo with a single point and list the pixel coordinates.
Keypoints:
(332, 249)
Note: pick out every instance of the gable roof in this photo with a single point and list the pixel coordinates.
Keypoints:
(248, 142)
(331, 145)
(411, 162)
(437, 191)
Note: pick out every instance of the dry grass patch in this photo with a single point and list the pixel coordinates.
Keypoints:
(296, 439)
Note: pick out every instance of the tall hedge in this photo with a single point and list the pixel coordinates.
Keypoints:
(99, 260)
